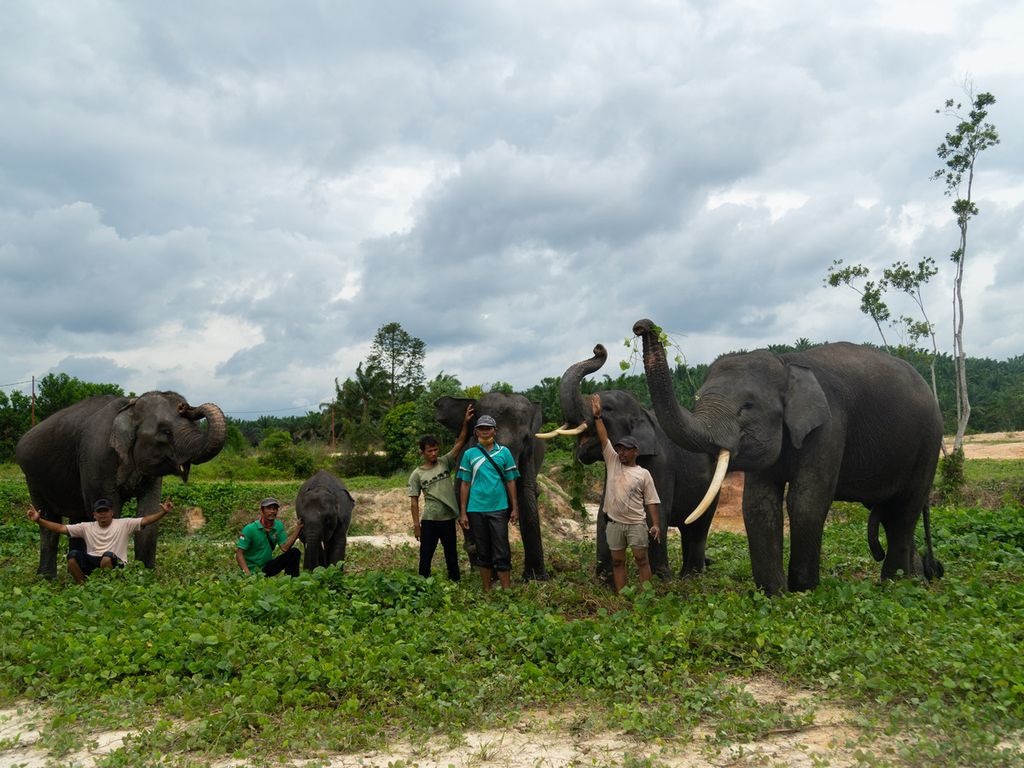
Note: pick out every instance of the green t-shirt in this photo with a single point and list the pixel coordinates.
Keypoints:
(438, 487)
(255, 543)
(487, 487)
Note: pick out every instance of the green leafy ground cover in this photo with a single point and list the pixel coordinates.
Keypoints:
(200, 662)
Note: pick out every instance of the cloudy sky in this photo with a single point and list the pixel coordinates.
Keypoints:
(228, 199)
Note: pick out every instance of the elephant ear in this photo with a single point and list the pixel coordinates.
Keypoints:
(122, 438)
(806, 404)
(645, 433)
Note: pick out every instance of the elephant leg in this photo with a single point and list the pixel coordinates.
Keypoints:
(145, 546)
(808, 505)
(694, 543)
(337, 544)
(529, 530)
(657, 551)
(145, 540)
(604, 554)
(48, 541)
(762, 517)
(901, 558)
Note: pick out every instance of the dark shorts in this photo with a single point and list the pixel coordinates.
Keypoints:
(490, 532)
(89, 563)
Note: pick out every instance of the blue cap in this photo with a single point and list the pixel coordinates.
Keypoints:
(101, 504)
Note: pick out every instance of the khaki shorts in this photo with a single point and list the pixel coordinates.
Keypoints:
(619, 535)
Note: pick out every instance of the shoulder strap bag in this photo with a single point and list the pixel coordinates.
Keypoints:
(501, 475)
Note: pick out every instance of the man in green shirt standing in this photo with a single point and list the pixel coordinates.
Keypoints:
(255, 548)
(435, 480)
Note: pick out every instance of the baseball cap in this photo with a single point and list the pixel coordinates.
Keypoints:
(101, 504)
(486, 421)
(270, 501)
(627, 442)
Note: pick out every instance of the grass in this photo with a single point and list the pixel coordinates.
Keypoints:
(202, 663)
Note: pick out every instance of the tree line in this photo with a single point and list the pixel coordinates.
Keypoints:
(378, 413)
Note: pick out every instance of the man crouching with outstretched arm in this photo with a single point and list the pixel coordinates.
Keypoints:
(106, 538)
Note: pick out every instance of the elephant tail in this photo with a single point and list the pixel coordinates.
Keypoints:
(876, 548)
(932, 566)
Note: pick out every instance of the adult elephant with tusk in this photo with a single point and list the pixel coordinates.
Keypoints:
(518, 419)
(114, 448)
(680, 476)
(836, 422)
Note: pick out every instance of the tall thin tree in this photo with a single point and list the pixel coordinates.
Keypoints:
(960, 150)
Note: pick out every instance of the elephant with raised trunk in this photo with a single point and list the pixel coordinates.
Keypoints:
(680, 476)
(324, 505)
(114, 448)
(518, 418)
(837, 422)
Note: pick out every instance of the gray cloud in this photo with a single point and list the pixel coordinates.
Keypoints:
(230, 201)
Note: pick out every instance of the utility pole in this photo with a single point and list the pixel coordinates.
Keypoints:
(33, 401)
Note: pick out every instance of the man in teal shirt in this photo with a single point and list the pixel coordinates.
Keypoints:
(255, 548)
(488, 501)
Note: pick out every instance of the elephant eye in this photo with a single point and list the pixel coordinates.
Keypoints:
(747, 406)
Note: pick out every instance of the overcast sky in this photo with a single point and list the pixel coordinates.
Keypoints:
(228, 199)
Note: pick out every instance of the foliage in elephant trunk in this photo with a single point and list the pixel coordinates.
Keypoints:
(679, 424)
(202, 446)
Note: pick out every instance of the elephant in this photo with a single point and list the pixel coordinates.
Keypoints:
(680, 476)
(837, 422)
(114, 448)
(324, 505)
(518, 418)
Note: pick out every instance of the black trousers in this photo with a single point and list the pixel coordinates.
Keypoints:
(431, 532)
(490, 531)
(289, 562)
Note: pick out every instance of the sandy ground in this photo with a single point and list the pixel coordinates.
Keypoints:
(538, 739)
(545, 739)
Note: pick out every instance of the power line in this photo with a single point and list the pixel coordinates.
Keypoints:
(16, 383)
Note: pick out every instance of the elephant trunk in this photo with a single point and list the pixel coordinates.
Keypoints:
(569, 397)
(312, 534)
(204, 446)
(679, 424)
(576, 417)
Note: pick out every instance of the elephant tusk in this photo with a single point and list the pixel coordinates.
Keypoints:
(552, 433)
(574, 431)
(713, 489)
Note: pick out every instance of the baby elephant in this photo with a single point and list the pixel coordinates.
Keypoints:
(324, 506)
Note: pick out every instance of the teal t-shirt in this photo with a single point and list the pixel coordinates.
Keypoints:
(438, 489)
(255, 544)
(486, 487)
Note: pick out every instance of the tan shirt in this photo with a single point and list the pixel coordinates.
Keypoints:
(114, 538)
(627, 490)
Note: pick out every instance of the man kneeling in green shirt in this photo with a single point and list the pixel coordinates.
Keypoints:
(255, 548)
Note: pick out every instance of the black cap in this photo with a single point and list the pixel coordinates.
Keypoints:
(101, 504)
(270, 501)
(627, 442)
